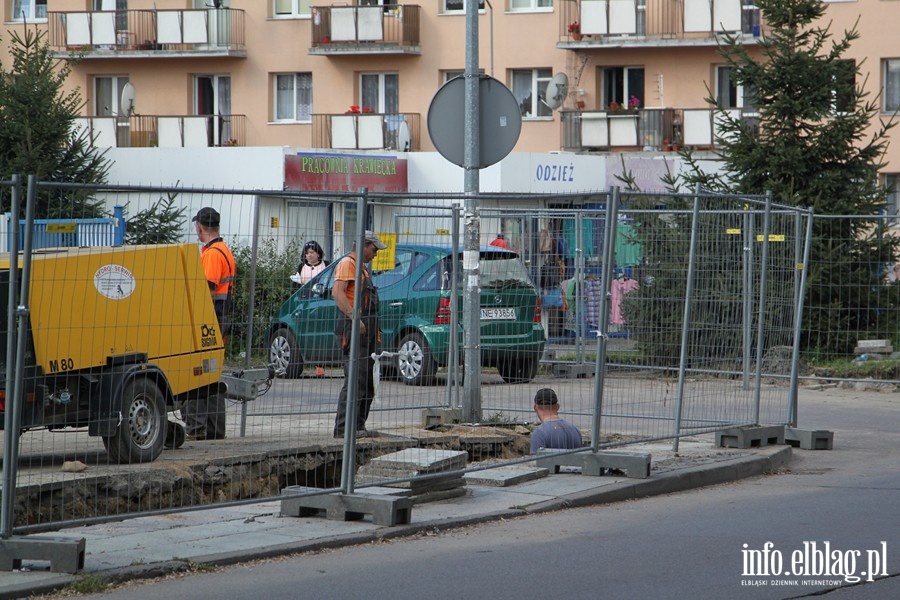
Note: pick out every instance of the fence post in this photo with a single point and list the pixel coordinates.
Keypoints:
(348, 459)
(760, 325)
(609, 249)
(686, 320)
(119, 225)
(5, 239)
(798, 322)
(10, 415)
(251, 306)
(747, 295)
(453, 358)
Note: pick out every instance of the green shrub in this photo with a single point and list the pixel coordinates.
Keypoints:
(273, 286)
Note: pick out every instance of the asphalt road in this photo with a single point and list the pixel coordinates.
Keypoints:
(830, 507)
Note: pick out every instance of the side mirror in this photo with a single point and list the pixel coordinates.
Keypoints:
(318, 290)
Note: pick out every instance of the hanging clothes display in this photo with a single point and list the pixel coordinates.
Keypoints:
(620, 286)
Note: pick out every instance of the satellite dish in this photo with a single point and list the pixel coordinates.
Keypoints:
(126, 102)
(403, 137)
(557, 90)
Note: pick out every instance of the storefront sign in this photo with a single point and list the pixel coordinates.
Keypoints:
(345, 173)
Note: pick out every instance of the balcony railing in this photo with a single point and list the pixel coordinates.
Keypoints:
(147, 131)
(367, 131)
(383, 29)
(656, 22)
(645, 129)
(212, 30)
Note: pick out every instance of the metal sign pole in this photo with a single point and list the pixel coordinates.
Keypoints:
(472, 234)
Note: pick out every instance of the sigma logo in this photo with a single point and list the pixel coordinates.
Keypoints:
(208, 336)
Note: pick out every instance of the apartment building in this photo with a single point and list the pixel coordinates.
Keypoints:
(360, 75)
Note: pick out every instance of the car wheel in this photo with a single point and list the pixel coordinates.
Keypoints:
(415, 365)
(518, 369)
(142, 432)
(284, 354)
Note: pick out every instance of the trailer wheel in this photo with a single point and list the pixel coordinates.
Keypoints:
(142, 432)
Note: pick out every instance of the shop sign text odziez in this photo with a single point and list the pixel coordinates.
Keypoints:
(562, 173)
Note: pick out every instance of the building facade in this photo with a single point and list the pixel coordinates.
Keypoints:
(360, 76)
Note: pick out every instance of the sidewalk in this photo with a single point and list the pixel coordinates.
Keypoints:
(155, 545)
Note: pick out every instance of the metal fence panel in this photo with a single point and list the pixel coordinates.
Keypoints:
(284, 438)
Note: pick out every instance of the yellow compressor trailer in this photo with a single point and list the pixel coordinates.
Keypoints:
(116, 338)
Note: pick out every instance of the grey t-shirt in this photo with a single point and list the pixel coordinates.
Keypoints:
(558, 434)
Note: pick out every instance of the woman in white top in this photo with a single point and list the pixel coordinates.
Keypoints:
(312, 263)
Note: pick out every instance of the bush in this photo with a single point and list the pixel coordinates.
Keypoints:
(273, 286)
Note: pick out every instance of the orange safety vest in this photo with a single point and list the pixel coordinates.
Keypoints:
(219, 267)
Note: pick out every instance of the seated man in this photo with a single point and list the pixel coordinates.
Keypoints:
(553, 432)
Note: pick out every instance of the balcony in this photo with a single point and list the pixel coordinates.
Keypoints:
(149, 131)
(384, 29)
(650, 129)
(655, 23)
(400, 132)
(212, 32)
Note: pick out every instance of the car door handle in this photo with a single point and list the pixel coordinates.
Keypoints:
(396, 304)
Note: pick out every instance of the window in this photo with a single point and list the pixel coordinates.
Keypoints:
(293, 97)
(121, 6)
(750, 22)
(729, 93)
(403, 261)
(621, 84)
(452, 73)
(380, 92)
(212, 96)
(107, 103)
(459, 6)
(892, 187)
(107, 94)
(891, 85)
(527, 5)
(292, 8)
(29, 10)
(530, 87)
(640, 24)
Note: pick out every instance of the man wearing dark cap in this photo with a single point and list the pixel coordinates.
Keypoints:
(205, 417)
(553, 432)
(343, 292)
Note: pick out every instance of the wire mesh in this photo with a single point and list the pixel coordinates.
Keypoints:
(544, 313)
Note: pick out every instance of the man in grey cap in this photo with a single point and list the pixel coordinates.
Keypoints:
(344, 292)
(553, 432)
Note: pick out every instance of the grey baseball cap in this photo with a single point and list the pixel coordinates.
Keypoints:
(372, 237)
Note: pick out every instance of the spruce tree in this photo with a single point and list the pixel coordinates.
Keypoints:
(810, 147)
(160, 223)
(37, 130)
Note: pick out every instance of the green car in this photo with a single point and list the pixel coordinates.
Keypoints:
(414, 316)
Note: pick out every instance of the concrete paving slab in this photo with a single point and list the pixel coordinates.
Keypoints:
(505, 476)
(421, 460)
